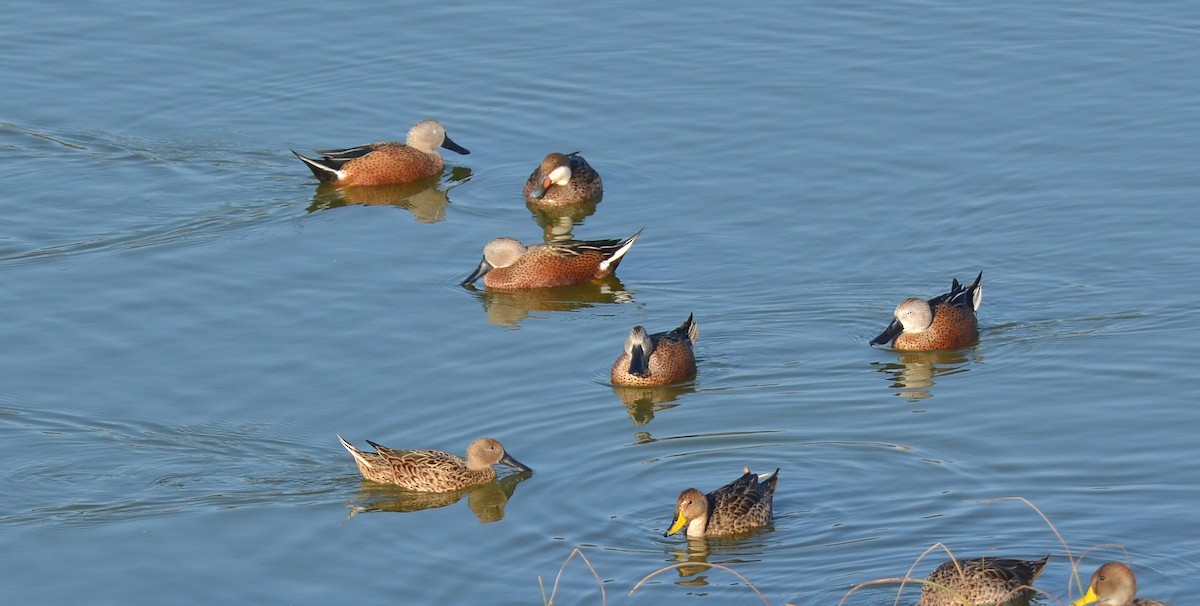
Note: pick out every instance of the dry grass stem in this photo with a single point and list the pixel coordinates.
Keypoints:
(1075, 570)
(1074, 578)
(558, 577)
(908, 578)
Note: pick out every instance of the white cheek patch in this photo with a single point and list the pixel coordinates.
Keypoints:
(560, 175)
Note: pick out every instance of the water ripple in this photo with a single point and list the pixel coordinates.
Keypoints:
(220, 465)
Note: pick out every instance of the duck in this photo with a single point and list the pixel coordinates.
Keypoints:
(386, 162)
(663, 358)
(432, 470)
(946, 321)
(981, 581)
(562, 180)
(509, 264)
(1113, 584)
(739, 507)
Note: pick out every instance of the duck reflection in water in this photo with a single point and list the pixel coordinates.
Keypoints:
(487, 501)
(425, 199)
(915, 372)
(510, 307)
(558, 223)
(643, 402)
(692, 560)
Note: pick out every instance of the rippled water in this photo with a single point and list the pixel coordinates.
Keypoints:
(190, 320)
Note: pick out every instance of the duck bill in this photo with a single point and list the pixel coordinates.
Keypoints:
(891, 332)
(454, 147)
(511, 462)
(479, 272)
(638, 361)
(1087, 598)
(540, 190)
(680, 522)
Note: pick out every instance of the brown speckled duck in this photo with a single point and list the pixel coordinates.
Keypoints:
(739, 507)
(664, 358)
(944, 322)
(386, 162)
(1113, 584)
(562, 180)
(981, 581)
(432, 470)
(509, 264)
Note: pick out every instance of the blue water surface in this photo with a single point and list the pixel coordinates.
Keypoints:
(190, 321)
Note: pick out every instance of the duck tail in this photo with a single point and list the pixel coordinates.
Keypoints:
(976, 291)
(323, 173)
(610, 264)
(354, 452)
(690, 328)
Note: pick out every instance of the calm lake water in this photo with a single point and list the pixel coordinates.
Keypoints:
(189, 322)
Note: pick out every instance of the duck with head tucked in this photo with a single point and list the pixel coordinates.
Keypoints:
(432, 470)
(509, 264)
(663, 358)
(1113, 584)
(946, 321)
(386, 162)
(562, 180)
(739, 507)
(981, 582)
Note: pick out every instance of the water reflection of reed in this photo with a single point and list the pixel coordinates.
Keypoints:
(914, 372)
(424, 199)
(508, 307)
(558, 222)
(486, 500)
(643, 402)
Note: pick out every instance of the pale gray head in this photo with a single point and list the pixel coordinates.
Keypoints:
(503, 252)
(639, 346)
(914, 314)
(639, 339)
(429, 134)
(500, 252)
(426, 135)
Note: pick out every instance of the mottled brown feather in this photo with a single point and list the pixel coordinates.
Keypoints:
(669, 361)
(981, 581)
(739, 507)
(584, 185)
(431, 470)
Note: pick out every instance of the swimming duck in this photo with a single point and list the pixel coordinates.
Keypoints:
(386, 162)
(509, 264)
(1113, 584)
(738, 507)
(981, 582)
(663, 358)
(563, 179)
(944, 322)
(432, 470)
